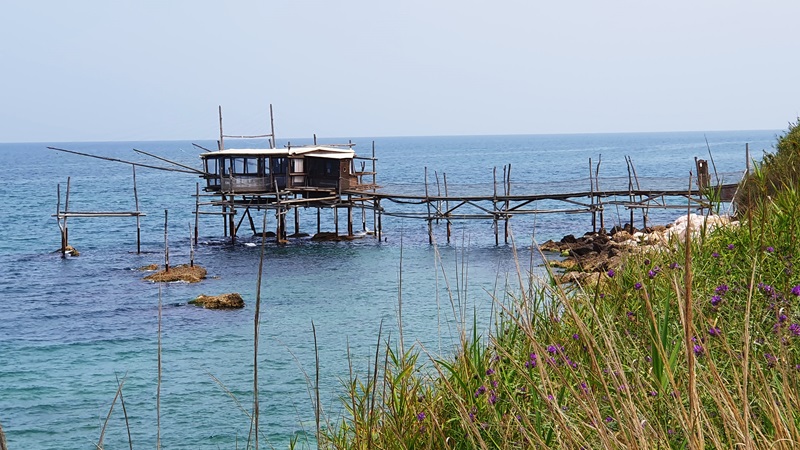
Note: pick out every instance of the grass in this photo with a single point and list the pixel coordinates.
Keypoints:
(695, 345)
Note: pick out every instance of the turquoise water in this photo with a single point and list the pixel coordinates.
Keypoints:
(69, 327)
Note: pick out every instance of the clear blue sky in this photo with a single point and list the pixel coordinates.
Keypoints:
(147, 70)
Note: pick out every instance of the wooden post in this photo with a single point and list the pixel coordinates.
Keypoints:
(630, 188)
(447, 206)
(224, 216)
(380, 220)
(318, 220)
(138, 226)
(196, 213)
(66, 211)
(272, 127)
(191, 247)
(349, 215)
(232, 221)
(747, 157)
(428, 204)
(58, 219)
(494, 206)
(221, 143)
(296, 221)
(438, 194)
(336, 220)
(166, 242)
(508, 193)
(591, 198)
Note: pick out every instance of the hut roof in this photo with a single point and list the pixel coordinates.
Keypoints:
(317, 151)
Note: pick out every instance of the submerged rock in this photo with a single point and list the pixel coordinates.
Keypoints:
(185, 272)
(69, 250)
(224, 301)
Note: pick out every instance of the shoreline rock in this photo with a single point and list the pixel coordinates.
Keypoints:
(596, 253)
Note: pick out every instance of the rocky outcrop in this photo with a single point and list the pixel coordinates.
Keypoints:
(596, 253)
(185, 272)
(224, 301)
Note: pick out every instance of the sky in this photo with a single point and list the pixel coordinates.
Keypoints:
(98, 70)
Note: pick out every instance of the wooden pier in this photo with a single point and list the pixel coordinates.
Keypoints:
(332, 177)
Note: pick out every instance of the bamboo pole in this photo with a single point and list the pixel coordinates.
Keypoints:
(158, 383)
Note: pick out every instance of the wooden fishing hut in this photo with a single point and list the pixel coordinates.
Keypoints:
(284, 179)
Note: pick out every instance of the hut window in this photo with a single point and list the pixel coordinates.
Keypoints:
(279, 165)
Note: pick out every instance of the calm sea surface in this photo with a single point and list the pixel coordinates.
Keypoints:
(69, 328)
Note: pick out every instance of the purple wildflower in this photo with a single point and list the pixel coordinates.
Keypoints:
(609, 419)
(489, 371)
(794, 329)
(531, 363)
(652, 273)
(647, 262)
(492, 398)
(421, 416)
(480, 391)
(716, 300)
(771, 359)
(637, 286)
(796, 290)
(731, 246)
(575, 336)
(698, 350)
(631, 315)
(714, 331)
(611, 273)
(715, 255)
(673, 265)
(770, 249)
(721, 289)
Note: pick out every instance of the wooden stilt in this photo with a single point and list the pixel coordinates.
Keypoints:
(447, 207)
(380, 219)
(508, 193)
(336, 220)
(494, 206)
(349, 216)
(428, 204)
(252, 222)
(318, 220)
(138, 225)
(296, 221)
(60, 226)
(196, 213)
(224, 216)
(66, 211)
(591, 198)
(166, 241)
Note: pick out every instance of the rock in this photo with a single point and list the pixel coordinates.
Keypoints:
(622, 236)
(568, 239)
(69, 250)
(185, 272)
(148, 268)
(564, 264)
(224, 301)
(550, 246)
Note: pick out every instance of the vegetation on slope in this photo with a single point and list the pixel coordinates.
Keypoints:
(696, 345)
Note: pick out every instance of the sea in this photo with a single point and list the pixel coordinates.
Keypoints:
(73, 330)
